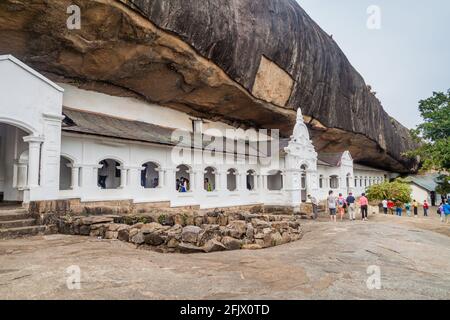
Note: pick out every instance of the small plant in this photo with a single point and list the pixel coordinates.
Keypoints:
(129, 220)
(143, 220)
(184, 216)
(162, 219)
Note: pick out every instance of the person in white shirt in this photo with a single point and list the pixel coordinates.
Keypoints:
(385, 206)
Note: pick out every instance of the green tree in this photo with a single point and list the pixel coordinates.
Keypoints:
(398, 190)
(434, 133)
(434, 137)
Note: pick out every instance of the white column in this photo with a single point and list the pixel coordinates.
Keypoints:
(198, 177)
(218, 175)
(34, 149)
(74, 185)
(238, 181)
(134, 177)
(123, 177)
(308, 182)
(161, 177)
(264, 182)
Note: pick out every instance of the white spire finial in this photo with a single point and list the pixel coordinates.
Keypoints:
(299, 114)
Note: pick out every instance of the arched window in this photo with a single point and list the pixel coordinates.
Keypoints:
(347, 181)
(150, 175)
(321, 181)
(251, 180)
(334, 182)
(209, 183)
(356, 181)
(109, 175)
(365, 181)
(275, 181)
(183, 181)
(65, 174)
(232, 180)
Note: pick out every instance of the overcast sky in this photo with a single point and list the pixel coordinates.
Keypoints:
(404, 61)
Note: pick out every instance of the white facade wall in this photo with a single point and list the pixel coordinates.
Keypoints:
(85, 154)
(33, 104)
(136, 110)
(355, 180)
(420, 194)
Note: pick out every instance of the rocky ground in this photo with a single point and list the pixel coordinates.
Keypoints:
(330, 262)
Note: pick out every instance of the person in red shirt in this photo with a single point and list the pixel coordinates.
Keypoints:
(426, 206)
(364, 203)
(391, 205)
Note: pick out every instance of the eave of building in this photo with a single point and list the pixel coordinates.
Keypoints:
(92, 124)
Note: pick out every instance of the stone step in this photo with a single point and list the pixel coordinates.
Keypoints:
(17, 223)
(26, 231)
(14, 215)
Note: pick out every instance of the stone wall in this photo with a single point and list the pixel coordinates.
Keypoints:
(189, 233)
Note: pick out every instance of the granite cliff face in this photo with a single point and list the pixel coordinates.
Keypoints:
(245, 62)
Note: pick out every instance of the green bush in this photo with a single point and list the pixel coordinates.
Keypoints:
(162, 219)
(398, 190)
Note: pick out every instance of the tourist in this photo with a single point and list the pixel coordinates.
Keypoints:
(425, 208)
(391, 206)
(433, 198)
(144, 176)
(351, 206)
(178, 185)
(441, 211)
(208, 186)
(408, 209)
(315, 206)
(155, 183)
(399, 208)
(341, 205)
(103, 174)
(364, 204)
(446, 210)
(415, 205)
(331, 201)
(184, 185)
(385, 206)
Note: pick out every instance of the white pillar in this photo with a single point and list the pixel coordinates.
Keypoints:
(238, 181)
(198, 177)
(123, 177)
(34, 155)
(134, 177)
(218, 175)
(75, 176)
(161, 177)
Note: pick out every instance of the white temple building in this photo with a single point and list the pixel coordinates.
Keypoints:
(61, 142)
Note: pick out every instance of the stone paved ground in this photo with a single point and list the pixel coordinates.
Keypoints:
(329, 263)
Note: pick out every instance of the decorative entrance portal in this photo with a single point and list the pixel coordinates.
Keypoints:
(30, 133)
(14, 160)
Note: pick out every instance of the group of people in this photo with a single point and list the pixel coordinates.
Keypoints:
(340, 205)
(395, 206)
(182, 184)
(392, 206)
(444, 210)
